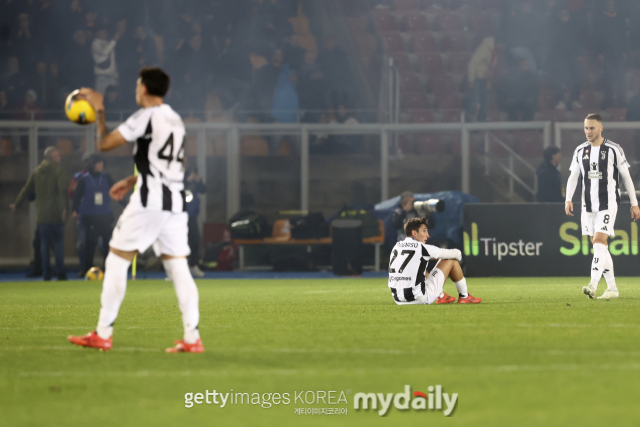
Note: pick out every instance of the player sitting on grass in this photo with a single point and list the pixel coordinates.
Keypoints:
(420, 279)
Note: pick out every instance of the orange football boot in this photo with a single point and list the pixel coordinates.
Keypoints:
(469, 300)
(93, 340)
(183, 347)
(445, 299)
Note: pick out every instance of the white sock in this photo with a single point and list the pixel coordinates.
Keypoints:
(114, 287)
(461, 287)
(597, 265)
(608, 273)
(187, 291)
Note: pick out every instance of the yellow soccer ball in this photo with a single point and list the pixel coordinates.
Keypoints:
(79, 110)
(94, 273)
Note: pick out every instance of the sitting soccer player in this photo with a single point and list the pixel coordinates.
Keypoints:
(420, 279)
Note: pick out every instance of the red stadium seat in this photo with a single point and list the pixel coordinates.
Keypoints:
(410, 83)
(416, 22)
(450, 115)
(384, 21)
(455, 42)
(528, 143)
(430, 63)
(442, 85)
(555, 115)
(546, 100)
(481, 24)
(405, 5)
(401, 60)
(494, 116)
(423, 43)
(393, 42)
(491, 4)
(428, 143)
(617, 114)
(448, 22)
(414, 101)
(424, 116)
(407, 145)
(458, 62)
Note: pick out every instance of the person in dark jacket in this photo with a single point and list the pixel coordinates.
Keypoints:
(404, 213)
(49, 184)
(193, 186)
(92, 203)
(549, 178)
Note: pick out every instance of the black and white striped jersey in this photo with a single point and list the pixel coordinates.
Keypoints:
(600, 168)
(408, 264)
(158, 135)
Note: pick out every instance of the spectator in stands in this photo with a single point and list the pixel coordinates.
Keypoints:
(92, 203)
(522, 33)
(292, 53)
(113, 101)
(29, 109)
(549, 177)
(610, 38)
(566, 46)
(53, 87)
(311, 89)
(265, 82)
(23, 42)
(14, 83)
(39, 82)
(479, 73)
(518, 93)
(335, 65)
(82, 234)
(285, 99)
(104, 59)
(79, 62)
(194, 186)
(403, 213)
(48, 182)
(633, 115)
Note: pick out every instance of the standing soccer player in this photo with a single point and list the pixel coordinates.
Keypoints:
(601, 163)
(156, 214)
(417, 271)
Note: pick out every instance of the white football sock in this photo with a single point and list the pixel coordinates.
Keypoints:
(461, 287)
(597, 265)
(114, 287)
(187, 291)
(608, 273)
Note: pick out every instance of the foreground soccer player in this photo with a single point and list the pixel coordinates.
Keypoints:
(601, 163)
(417, 271)
(156, 214)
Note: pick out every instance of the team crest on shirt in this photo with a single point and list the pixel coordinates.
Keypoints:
(603, 154)
(594, 173)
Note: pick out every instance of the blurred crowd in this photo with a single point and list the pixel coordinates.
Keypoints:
(258, 57)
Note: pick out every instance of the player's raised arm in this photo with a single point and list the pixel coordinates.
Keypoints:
(105, 141)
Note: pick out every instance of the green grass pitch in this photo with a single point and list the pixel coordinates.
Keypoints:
(535, 352)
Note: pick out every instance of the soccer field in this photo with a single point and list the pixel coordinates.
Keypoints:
(535, 352)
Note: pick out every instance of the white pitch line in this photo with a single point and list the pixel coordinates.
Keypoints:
(320, 372)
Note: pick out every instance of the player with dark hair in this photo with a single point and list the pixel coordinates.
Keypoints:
(602, 164)
(157, 212)
(417, 271)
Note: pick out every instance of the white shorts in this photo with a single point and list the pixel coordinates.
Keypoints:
(598, 222)
(138, 228)
(434, 283)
